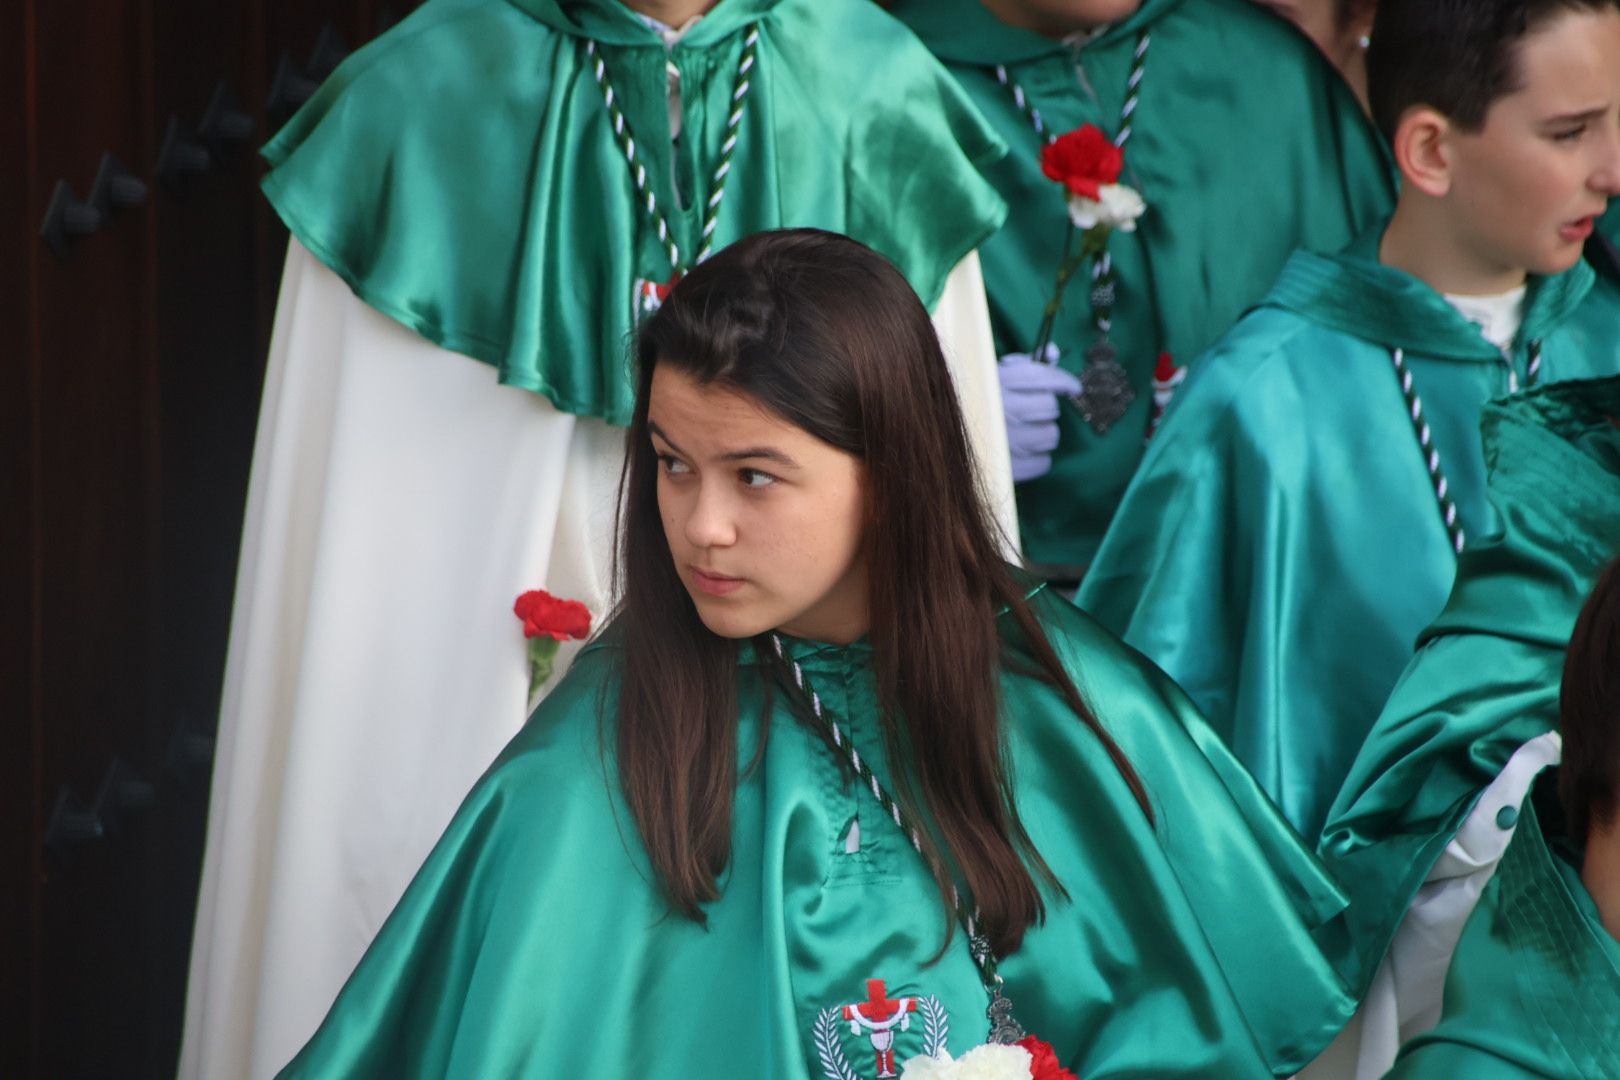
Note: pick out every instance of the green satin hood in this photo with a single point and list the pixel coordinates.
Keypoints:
(461, 174)
(1534, 988)
(534, 944)
(1354, 293)
(1245, 145)
(1282, 546)
(1487, 678)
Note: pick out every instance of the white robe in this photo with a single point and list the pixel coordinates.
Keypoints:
(400, 500)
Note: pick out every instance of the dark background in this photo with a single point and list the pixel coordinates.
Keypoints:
(130, 370)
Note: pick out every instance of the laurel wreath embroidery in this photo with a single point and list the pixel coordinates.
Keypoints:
(835, 1066)
(936, 1025)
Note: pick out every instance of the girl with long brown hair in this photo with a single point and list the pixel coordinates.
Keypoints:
(837, 792)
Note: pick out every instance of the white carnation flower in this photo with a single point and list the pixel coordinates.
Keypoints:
(923, 1067)
(1116, 205)
(988, 1062)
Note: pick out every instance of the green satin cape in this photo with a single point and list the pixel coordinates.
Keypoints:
(460, 172)
(1282, 546)
(1486, 678)
(533, 942)
(1534, 988)
(1245, 145)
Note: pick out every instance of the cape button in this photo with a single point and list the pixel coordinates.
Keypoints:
(1507, 817)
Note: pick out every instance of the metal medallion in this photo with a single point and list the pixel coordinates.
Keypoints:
(1004, 1030)
(1105, 388)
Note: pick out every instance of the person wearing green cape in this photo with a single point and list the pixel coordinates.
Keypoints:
(1244, 143)
(1534, 988)
(1297, 520)
(483, 203)
(838, 793)
(1440, 786)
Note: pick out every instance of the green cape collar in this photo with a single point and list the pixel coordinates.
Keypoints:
(611, 23)
(1354, 293)
(1553, 454)
(965, 32)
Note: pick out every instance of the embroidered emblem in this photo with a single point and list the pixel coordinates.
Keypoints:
(649, 295)
(878, 1019)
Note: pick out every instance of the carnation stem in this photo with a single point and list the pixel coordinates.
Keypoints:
(1092, 244)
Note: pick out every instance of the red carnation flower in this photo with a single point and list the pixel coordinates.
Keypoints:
(1083, 161)
(545, 615)
(1044, 1063)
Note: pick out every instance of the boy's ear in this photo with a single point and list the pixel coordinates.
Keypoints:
(1423, 150)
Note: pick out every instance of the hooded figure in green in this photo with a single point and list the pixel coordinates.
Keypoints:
(1244, 143)
(1284, 543)
(712, 852)
(1440, 788)
(1296, 521)
(483, 203)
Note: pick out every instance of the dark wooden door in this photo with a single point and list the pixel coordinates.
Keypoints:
(132, 342)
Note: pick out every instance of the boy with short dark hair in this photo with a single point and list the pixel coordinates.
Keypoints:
(1298, 518)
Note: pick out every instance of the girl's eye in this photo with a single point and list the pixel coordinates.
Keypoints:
(672, 466)
(1569, 134)
(754, 478)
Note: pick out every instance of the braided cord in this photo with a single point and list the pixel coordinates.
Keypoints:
(1431, 453)
(978, 945)
(728, 146)
(1425, 436)
(1104, 283)
(638, 169)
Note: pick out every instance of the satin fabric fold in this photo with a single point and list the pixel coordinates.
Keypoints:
(1486, 678)
(1533, 992)
(461, 172)
(1239, 165)
(1283, 546)
(533, 943)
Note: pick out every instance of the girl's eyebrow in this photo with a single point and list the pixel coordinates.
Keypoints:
(765, 452)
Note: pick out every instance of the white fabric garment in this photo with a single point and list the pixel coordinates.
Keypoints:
(1498, 317)
(1405, 997)
(400, 500)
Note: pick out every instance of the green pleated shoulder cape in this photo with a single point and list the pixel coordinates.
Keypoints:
(533, 943)
(1533, 992)
(1245, 144)
(462, 175)
(1283, 545)
(1486, 679)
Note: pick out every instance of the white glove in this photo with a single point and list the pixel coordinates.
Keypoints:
(1029, 399)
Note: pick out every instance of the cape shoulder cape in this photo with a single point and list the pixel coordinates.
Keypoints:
(1245, 145)
(1486, 678)
(534, 943)
(1282, 546)
(1533, 992)
(461, 172)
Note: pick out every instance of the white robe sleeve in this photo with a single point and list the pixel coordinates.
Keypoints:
(400, 500)
(962, 318)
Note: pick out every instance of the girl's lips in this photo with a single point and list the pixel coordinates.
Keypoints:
(716, 584)
(1576, 230)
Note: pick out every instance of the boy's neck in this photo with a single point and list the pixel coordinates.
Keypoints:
(1600, 873)
(1420, 242)
(672, 13)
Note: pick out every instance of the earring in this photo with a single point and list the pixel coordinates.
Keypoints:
(1366, 41)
